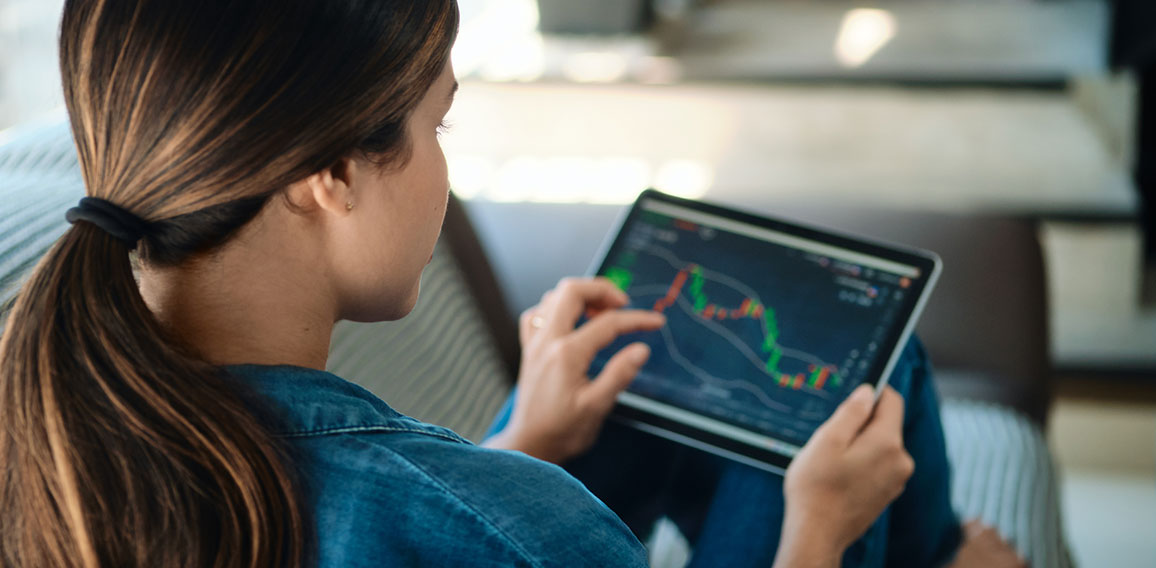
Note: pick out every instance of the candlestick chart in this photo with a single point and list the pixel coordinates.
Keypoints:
(759, 335)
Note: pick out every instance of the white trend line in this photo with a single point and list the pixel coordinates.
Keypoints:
(678, 264)
(812, 416)
(711, 379)
(745, 349)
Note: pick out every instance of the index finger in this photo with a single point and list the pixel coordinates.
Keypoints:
(602, 330)
(572, 297)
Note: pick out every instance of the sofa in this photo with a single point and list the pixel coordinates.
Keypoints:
(454, 359)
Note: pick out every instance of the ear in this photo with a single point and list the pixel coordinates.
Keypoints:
(329, 189)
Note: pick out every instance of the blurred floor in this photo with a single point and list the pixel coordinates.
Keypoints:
(1106, 450)
(944, 149)
(997, 40)
(1110, 518)
(1098, 319)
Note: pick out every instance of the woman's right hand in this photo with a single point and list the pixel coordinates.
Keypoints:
(850, 470)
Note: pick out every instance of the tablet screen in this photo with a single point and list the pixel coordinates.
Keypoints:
(767, 331)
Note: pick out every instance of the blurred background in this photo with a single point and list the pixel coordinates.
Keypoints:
(1039, 110)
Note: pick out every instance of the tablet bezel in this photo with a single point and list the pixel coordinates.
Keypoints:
(768, 458)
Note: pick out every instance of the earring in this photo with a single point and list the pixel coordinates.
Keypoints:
(349, 206)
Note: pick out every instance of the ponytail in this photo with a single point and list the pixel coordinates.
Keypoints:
(120, 448)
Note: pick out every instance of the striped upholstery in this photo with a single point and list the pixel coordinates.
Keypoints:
(39, 180)
(440, 364)
(1005, 476)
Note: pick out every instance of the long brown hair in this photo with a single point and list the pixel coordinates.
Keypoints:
(119, 445)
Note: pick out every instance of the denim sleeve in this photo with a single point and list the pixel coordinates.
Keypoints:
(404, 500)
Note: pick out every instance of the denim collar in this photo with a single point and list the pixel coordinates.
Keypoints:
(300, 402)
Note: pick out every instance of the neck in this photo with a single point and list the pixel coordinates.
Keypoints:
(255, 301)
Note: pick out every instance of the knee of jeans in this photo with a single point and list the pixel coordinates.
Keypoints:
(912, 360)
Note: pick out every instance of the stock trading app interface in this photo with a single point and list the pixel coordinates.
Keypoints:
(759, 335)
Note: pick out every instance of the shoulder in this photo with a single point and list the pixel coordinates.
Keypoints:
(418, 498)
(385, 489)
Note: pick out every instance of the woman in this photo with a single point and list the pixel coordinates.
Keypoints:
(276, 168)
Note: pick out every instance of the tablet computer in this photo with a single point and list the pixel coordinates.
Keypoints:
(770, 324)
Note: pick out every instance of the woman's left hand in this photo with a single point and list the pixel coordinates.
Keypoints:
(559, 411)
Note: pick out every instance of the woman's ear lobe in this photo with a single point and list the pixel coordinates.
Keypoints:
(339, 179)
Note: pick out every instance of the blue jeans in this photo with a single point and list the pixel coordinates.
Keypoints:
(732, 514)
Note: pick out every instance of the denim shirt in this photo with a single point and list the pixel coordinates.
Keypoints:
(384, 489)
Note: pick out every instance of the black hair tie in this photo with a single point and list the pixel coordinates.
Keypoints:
(111, 218)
